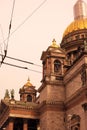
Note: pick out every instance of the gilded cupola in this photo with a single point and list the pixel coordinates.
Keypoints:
(28, 92)
(76, 25)
(77, 30)
(80, 18)
(75, 35)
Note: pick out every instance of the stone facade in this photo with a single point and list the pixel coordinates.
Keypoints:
(52, 120)
(62, 100)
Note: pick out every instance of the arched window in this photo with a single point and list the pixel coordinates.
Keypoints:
(29, 98)
(57, 66)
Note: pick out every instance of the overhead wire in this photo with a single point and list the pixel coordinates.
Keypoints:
(26, 68)
(10, 25)
(15, 65)
(1, 45)
(22, 61)
(33, 12)
(6, 44)
(9, 34)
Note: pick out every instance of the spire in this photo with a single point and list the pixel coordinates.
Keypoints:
(28, 79)
(80, 10)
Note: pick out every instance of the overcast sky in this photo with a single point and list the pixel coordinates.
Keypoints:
(34, 25)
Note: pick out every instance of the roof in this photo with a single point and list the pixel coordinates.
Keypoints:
(28, 84)
(54, 44)
(75, 26)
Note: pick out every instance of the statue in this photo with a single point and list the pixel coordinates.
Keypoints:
(7, 94)
(12, 94)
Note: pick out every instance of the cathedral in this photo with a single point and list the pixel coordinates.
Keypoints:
(62, 100)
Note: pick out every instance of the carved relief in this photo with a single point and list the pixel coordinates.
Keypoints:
(74, 122)
(57, 66)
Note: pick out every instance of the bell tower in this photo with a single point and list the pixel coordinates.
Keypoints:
(53, 60)
(52, 90)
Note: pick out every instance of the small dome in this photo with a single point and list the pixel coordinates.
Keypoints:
(54, 44)
(75, 26)
(28, 84)
(28, 92)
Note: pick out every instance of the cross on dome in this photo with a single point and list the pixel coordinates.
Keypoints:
(54, 44)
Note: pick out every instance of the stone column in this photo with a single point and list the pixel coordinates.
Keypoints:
(11, 124)
(85, 112)
(25, 124)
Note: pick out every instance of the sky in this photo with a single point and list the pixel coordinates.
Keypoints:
(35, 23)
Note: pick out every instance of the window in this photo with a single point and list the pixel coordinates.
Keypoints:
(77, 37)
(57, 65)
(29, 98)
(76, 128)
(82, 35)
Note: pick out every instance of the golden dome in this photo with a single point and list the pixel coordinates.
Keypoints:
(28, 84)
(76, 25)
(54, 44)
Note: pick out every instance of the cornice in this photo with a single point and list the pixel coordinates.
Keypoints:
(45, 83)
(51, 106)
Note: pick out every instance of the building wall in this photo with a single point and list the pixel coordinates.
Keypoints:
(53, 93)
(72, 79)
(73, 85)
(53, 120)
(78, 110)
